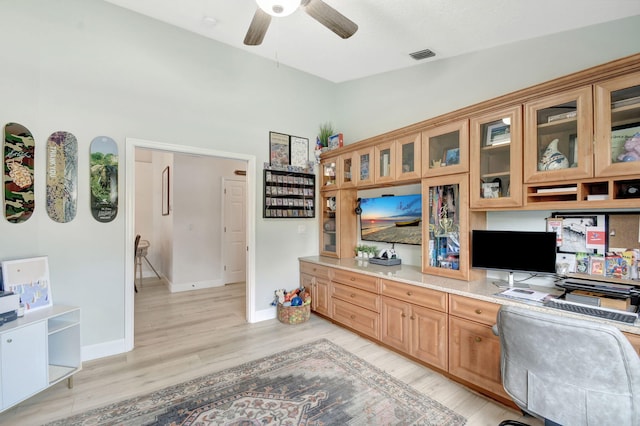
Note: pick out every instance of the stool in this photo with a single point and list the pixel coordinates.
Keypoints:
(141, 253)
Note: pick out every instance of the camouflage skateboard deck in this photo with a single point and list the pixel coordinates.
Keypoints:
(104, 179)
(19, 154)
(62, 176)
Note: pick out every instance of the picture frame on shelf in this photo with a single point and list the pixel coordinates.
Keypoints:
(451, 156)
(28, 278)
(619, 135)
(279, 149)
(498, 134)
(491, 190)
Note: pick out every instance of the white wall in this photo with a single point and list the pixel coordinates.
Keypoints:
(94, 69)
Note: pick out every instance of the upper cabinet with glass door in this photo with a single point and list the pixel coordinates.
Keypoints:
(385, 160)
(558, 137)
(364, 167)
(347, 169)
(496, 159)
(329, 170)
(617, 122)
(445, 149)
(408, 158)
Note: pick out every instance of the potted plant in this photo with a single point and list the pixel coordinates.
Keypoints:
(326, 130)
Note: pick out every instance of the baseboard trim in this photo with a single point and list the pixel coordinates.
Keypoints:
(101, 350)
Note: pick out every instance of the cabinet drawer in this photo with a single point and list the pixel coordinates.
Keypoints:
(365, 282)
(360, 319)
(314, 269)
(473, 309)
(356, 296)
(417, 295)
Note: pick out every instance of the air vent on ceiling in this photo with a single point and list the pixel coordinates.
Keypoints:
(422, 54)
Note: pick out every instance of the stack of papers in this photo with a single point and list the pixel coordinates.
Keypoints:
(524, 294)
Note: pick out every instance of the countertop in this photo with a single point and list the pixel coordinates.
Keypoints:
(483, 289)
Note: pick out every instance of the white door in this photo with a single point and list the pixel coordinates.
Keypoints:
(234, 242)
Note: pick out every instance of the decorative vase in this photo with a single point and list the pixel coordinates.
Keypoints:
(552, 158)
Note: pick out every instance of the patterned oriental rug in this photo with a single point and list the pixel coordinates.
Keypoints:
(315, 384)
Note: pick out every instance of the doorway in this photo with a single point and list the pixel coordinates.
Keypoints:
(249, 193)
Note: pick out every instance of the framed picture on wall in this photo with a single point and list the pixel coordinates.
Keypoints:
(165, 191)
(299, 151)
(279, 145)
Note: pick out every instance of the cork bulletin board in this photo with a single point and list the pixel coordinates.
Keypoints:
(624, 231)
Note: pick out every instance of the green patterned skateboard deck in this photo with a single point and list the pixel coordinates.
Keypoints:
(62, 176)
(19, 154)
(104, 179)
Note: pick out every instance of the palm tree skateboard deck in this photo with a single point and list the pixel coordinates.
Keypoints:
(19, 154)
(104, 179)
(62, 176)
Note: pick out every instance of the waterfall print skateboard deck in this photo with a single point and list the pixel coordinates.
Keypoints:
(104, 179)
(19, 153)
(62, 176)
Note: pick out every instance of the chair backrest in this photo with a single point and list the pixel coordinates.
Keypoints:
(567, 370)
(137, 242)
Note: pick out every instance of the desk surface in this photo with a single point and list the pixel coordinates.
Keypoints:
(480, 289)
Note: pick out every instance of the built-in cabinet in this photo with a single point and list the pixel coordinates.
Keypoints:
(37, 351)
(355, 302)
(496, 159)
(445, 149)
(338, 223)
(315, 278)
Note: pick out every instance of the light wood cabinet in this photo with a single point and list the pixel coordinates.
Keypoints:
(364, 167)
(316, 278)
(447, 225)
(355, 301)
(559, 137)
(445, 149)
(408, 158)
(329, 174)
(347, 168)
(338, 222)
(617, 118)
(634, 339)
(496, 159)
(385, 162)
(410, 327)
(474, 351)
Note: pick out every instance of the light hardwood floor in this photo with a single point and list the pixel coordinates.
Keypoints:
(186, 335)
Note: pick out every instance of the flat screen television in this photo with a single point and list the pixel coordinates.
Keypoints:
(392, 219)
(514, 251)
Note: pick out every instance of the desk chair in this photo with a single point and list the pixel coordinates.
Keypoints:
(569, 371)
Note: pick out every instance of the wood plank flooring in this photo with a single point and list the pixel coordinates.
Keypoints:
(186, 335)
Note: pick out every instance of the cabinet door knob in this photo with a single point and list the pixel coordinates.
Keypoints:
(352, 317)
(9, 340)
(352, 278)
(409, 293)
(478, 339)
(353, 295)
(412, 317)
(478, 311)
(403, 315)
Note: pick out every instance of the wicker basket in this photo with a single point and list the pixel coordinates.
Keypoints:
(294, 314)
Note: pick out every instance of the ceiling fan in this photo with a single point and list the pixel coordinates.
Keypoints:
(317, 9)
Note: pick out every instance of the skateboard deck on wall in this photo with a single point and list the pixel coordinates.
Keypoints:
(62, 176)
(104, 179)
(19, 154)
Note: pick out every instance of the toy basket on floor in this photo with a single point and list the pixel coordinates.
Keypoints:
(294, 314)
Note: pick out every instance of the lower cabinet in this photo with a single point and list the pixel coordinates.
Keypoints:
(37, 351)
(410, 327)
(315, 278)
(474, 351)
(355, 302)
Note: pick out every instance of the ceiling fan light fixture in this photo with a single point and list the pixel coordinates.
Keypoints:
(278, 8)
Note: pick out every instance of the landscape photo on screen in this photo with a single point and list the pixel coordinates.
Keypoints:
(392, 219)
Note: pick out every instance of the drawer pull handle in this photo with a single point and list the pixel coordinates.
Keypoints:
(412, 317)
(9, 340)
(353, 295)
(409, 293)
(478, 311)
(352, 278)
(478, 339)
(352, 317)
(403, 315)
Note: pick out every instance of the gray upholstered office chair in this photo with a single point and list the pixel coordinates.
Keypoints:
(569, 371)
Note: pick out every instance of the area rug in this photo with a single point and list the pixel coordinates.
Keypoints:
(315, 384)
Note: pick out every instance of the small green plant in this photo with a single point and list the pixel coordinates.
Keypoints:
(326, 130)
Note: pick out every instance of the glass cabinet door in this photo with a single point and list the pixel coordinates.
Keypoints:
(558, 131)
(445, 149)
(329, 170)
(329, 223)
(347, 170)
(445, 231)
(385, 163)
(364, 166)
(496, 159)
(617, 125)
(408, 158)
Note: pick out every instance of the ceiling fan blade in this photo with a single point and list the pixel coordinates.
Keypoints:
(330, 18)
(258, 28)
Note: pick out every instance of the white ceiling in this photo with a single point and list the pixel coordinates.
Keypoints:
(388, 29)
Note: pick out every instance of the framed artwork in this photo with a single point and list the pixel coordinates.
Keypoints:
(279, 146)
(498, 134)
(28, 278)
(165, 191)
(299, 151)
(577, 230)
(452, 156)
